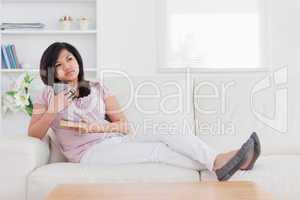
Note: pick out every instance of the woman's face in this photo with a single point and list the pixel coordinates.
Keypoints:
(66, 67)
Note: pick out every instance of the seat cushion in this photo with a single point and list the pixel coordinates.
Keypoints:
(42, 180)
(277, 174)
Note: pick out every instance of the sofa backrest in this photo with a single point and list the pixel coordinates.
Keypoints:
(155, 104)
(230, 106)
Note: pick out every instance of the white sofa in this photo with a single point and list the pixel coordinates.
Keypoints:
(30, 168)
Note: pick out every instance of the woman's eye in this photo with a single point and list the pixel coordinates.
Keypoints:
(70, 58)
(57, 65)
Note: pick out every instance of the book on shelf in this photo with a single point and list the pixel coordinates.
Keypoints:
(2, 59)
(5, 64)
(9, 57)
(13, 48)
(5, 26)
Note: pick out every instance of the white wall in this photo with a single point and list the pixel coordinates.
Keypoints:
(129, 35)
(285, 31)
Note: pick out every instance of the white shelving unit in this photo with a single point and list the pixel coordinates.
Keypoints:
(30, 44)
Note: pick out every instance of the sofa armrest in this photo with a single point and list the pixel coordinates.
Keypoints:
(19, 157)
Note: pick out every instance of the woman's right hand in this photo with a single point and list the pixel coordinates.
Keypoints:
(59, 102)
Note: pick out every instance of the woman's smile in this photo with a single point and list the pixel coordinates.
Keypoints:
(71, 72)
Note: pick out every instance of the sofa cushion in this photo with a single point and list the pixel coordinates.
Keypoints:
(278, 174)
(154, 104)
(42, 180)
(229, 106)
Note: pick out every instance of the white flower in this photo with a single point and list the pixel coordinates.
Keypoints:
(22, 99)
(22, 82)
(24, 85)
(9, 103)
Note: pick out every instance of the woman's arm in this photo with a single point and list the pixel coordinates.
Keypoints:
(40, 121)
(43, 116)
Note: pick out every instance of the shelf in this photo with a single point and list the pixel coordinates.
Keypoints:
(47, 32)
(36, 70)
(49, 1)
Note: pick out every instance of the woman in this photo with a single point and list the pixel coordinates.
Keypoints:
(98, 141)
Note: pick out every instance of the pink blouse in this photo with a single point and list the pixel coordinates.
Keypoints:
(92, 107)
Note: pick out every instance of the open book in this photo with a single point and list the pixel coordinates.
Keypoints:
(71, 124)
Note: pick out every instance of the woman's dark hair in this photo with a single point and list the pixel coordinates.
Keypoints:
(48, 71)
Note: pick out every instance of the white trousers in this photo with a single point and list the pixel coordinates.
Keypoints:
(186, 151)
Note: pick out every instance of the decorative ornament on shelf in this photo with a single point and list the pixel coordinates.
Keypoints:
(18, 98)
(83, 23)
(65, 22)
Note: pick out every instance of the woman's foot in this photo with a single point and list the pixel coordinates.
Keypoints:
(223, 158)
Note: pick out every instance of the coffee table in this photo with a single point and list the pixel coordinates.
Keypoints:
(210, 190)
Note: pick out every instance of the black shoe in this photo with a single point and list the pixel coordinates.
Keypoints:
(236, 162)
(257, 150)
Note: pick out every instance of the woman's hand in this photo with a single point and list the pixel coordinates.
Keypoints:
(59, 102)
